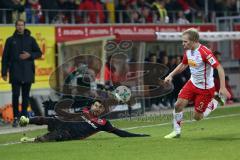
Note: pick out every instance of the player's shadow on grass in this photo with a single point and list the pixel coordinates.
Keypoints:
(100, 138)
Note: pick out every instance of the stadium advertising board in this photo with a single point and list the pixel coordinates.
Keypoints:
(67, 33)
(45, 37)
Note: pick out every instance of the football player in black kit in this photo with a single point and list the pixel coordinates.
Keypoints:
(74, 126)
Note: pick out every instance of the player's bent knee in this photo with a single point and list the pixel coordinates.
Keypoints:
(178, 109)
(178, 106)
(198, 116)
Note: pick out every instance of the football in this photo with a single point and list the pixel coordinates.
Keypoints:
(122, 94)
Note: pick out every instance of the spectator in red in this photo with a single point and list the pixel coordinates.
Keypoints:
(144, 8)
(108, 71)
(146, 15)
(119, 63)
(94, 11)
(185, 7)
(34, 9)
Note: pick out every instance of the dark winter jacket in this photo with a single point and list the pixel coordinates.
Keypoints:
(20, 70)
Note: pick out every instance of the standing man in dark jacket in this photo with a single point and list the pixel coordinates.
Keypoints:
(20, 51)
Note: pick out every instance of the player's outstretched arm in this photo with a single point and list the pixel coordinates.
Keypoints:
(181, 67)
(122, 133)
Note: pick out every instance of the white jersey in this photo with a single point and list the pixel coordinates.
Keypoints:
(201, 62)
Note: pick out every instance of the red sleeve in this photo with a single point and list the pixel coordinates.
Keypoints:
(107, 73)
(81, 6)
(184, 60)
(208, 57)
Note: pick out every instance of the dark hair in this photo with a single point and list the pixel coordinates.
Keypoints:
(20, 20)
(103, 103)
(97, 100)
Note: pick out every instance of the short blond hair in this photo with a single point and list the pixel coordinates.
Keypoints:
(192, 33)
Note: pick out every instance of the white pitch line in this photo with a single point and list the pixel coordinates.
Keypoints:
(187, 121)
(148, 126)
(9, 143)
(21, 129)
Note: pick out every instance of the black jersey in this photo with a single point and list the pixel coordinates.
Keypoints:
(85, 126)
(88, 125)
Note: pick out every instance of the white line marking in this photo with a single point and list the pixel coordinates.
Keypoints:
(21, 129)
(187, 121)
(9, 143)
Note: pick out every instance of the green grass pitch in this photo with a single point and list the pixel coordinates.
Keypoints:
(216, 138)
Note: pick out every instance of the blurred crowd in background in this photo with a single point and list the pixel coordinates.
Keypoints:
(118, 11)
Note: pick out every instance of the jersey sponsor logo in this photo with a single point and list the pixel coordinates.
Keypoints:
(212, 61)
(192, 53)
(192, 63)
(209, 56)
(89, 122)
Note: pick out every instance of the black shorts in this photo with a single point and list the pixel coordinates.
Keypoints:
(57, 132)
(56, 135)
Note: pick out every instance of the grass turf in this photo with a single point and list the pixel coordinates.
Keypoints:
(212, 139)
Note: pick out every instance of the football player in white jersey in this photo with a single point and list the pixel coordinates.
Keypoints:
(200, 87)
